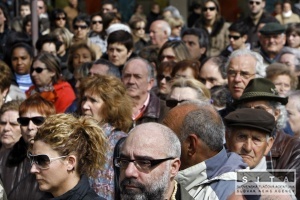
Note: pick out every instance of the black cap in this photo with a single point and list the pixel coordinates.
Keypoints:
(251, 118)
(272, 28)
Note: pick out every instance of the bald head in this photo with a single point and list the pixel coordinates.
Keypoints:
(160, 31)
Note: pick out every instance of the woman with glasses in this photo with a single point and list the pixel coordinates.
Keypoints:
(106, 100)
(140, 39)
(66, 151)
(164, 78)
(97, 34)
(173, 51)
(58, 19)
(46, 75)
(212, 21)
(14, 165)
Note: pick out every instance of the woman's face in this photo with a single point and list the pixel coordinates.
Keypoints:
(293, 40)
(176, 31)
(164, 82)
(139, 30)
(118, 53)
(91, 105)
(60, 20)
(29, 130)
(28, 28)
(168, 55)
(55, 178)
(40, 74)
(282, 84)
(97, 24)
(10, 131)
(210, 11)
(21, 61)
(185, 73)
(80, 56)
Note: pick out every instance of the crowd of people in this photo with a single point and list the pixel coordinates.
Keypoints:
(153, 108)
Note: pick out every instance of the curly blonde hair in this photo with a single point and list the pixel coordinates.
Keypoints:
(81, 137)
(117, 108)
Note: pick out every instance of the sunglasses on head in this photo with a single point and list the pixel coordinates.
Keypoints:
(24, 121)
(254, 2)
(209, 8)
(161, 77)
(76, 27)
(60, 18)
(171, 103)
(42, 161)
(95, 22)
(235, 37)
(37, 70)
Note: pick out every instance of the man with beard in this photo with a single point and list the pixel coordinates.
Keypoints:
(148, 165)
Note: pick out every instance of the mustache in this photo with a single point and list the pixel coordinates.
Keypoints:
(131, 182)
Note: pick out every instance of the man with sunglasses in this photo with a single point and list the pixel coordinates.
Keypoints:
(148, 165)
(204, 160)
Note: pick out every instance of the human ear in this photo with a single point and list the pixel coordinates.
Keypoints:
(175, 165)
(71, 162)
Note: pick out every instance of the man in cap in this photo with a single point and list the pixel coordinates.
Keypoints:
(249, 134)
(261, 93)
(272, 40)
(207, 170)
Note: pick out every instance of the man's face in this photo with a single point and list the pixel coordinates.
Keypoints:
(99, 69)
(272, 44)
(240, 71)
(49, 47)
(192, 43)
(157, 34)
(107, 8)
(135, 78)
(256, 6)
(210, 75)
(24, 10)
(292, 108)
(236, 40)
(41, 7)
(264, 105)
(81, 30)
(252, 145)
(118, 53)
(289, 60)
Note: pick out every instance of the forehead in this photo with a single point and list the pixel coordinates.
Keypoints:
(210, 4)
(258, 102)
(82, 51)
(248, 131)
(243, 62)
(117, 45)
(189, 37)
(80, 22)
(182, 93)
(168, 51)
(287, 56)
(136, 67)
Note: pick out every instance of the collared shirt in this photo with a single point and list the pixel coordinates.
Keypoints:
(136, 116)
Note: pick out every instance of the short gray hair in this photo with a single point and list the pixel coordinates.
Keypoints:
(295, 52)
(260, 68)
(295, 95)
(147, 64)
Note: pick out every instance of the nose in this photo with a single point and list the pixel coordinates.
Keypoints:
(7, 126)
(163, 80)
(237, 77)
(85, 105)
(19, 61)
(131, 170)
(247, 147)
(31, 125)
(208, 85)
(34, 169)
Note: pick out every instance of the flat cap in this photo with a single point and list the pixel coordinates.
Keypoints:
(251, 118)
(272, 28)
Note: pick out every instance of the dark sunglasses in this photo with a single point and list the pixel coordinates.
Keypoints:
(161, 77)
(254, 2)
(24, 121)
(235, 37)
(209, 8)
(60, 18)
(37, 70)
(140, 28)
(95, 22)
(76, 27)
(171, 103)
(42, 161)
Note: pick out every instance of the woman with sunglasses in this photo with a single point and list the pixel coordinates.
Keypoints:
(212, 21)
(14, 165)
(106, 100)
(66, 151)
(140, 39)
(97, 34)
(58, 19)
(46, 75)
(164, 79)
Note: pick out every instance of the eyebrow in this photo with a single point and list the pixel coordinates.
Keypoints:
(137, 157)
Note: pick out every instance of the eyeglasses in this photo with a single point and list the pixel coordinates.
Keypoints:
(60, 18)
(171, 103)
(235, 37)
(76, 27)
(42, 161)
(24, 121)
(95, 22)
(161, 77)
(244, 75)
(142, 165)
(168, 57)
(140, 28)
(37, 70)
(205, 9)
(254, 2)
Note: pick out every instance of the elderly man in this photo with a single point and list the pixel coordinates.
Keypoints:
(207, 170)
(104, 67)
(160, 31)
(138, 78)
(293, 110)
(249, 133)
(148, 165)
(261, 93)
(272, 40)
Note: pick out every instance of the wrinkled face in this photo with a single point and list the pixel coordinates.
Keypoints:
(252, 145)
(272, 44)
(29, 131)
(118, 53)
(139, 30)
(81, 30)
(236, 40)
(21, 61)
(60, 20)
(49, 47)
(210, 11)
(41, 78)
(292, 108)
(53, 179)
(185, 73)
(256, 6)
(282, 84)
(240, 71)
(210, 75)
(24, 10)
(136, 79)
(192, 43)
(157, 34)
(289, 60)
(293, 40)
(97, 24)
(10, 131)
(91, 105)
(80, 56)
(168, 55)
